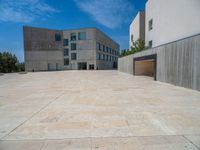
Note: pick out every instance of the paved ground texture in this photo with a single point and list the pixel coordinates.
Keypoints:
(96, 110)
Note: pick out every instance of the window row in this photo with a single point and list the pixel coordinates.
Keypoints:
(106, 57)
(73, 37)
(81, 36)
(104, 48)
(73, 46)
(66, 53)
(73, 57)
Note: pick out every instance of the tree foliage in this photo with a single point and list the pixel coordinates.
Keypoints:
(138, 46)
(9, 63)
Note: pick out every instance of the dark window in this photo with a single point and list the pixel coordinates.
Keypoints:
(57, 37)
(151, 24)
(103, 48)
(82, 36)
(65, 42)
(73, 36)
(150, 44)
(91, 67)
(131, 37)
(82, 66)
(73, 46)
(104, 58)
(73, 56)
(107, 57)
(98, 46)
(99, 56)
(66, 61)
(107, 49)
(66, 52)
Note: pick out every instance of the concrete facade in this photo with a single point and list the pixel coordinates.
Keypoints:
(177, 62)
(137, 28)
(87, 48)
(171, 20)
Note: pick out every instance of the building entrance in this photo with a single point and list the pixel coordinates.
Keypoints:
(145, 66)
(82, 66)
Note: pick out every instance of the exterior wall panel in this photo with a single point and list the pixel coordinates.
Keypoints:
(177, 62)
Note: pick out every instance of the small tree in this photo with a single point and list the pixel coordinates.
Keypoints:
(8, 62)
(123, 52)
(138, 45)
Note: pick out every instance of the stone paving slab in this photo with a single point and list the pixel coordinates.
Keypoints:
(96, 110)
(111, 143)
(194, 139)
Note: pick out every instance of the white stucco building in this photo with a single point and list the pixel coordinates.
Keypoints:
(167, 21)
(137, 28)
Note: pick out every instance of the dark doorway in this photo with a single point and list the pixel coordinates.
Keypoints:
(82, 66)
(51, 67)
(115, 65)
(91, 67)
(56, 66)
(145, 66)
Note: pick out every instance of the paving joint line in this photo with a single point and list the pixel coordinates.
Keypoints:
(79, 138)
(32, 115)
(42, 145)
(191, 142)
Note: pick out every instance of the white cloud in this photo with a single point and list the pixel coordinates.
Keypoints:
(24, 10)
(110, 13)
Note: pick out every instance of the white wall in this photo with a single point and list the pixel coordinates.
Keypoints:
(134, 29)
(172, 20)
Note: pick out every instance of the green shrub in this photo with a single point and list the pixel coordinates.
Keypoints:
(138, 46)
(9, 63)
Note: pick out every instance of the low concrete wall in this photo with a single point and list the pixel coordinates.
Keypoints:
(178, 62)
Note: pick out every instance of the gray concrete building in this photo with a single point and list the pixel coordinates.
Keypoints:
(78, 49)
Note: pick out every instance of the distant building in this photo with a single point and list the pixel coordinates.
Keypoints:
(166, 21)
(80, 49)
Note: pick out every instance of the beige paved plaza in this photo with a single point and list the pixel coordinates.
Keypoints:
(99, 110)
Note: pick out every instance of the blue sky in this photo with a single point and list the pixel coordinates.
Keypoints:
(111, 16)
